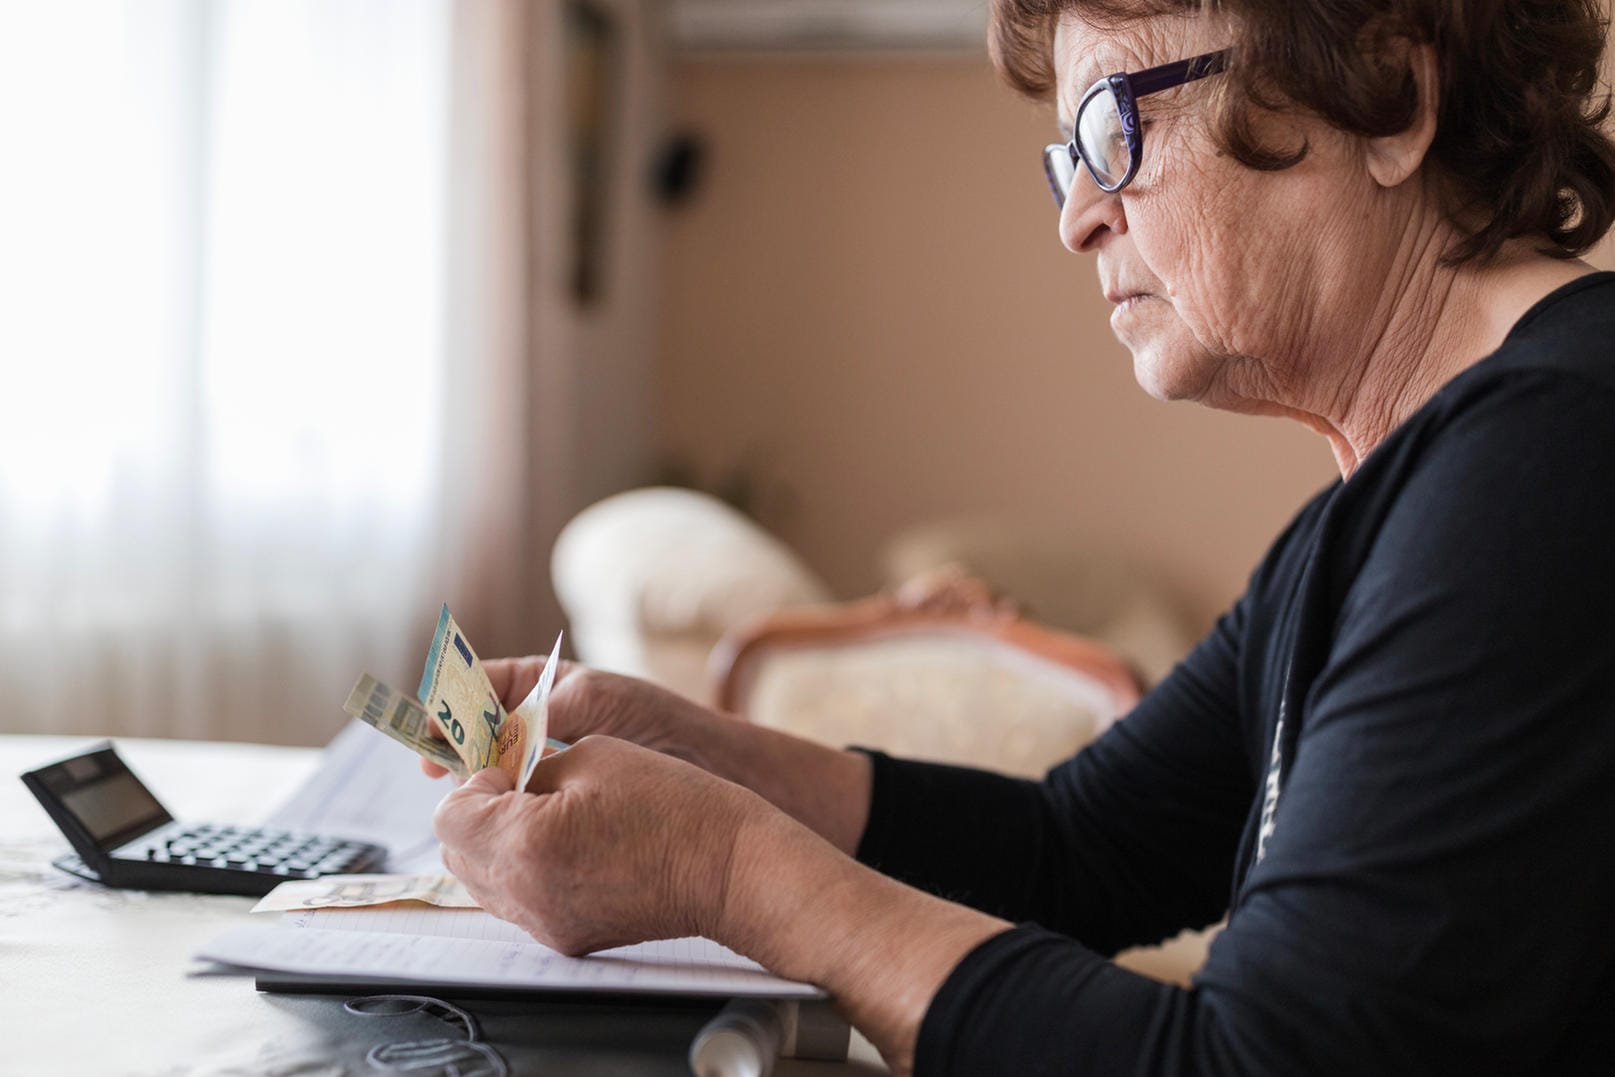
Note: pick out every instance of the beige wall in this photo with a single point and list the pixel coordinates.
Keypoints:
(869, 298)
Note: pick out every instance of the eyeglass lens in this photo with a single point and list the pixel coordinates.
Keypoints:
(1099, 135)
(1060, 170)
(1103, 146)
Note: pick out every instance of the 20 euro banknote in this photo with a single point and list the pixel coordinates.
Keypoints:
(457, 697)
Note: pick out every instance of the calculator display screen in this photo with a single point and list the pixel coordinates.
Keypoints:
(113, 804)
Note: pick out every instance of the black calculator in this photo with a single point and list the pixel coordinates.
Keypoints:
(124, 837)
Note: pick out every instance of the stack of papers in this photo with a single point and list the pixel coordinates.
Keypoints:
(422, 946)
(370, 788)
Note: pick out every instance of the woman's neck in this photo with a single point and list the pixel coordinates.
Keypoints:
(1435, 322)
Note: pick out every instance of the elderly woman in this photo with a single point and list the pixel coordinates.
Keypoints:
(1391, 765)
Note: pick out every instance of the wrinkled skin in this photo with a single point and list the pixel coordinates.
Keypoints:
(703, 825)
(585, 701)
(589, 861)
(591, 846)
(1229, 263)
(1315, 292)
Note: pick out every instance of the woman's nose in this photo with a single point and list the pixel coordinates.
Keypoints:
(1088, 214)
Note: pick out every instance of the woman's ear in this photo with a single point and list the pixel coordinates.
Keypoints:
(1394, 158)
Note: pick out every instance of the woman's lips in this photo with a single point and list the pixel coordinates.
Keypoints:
(1126, 303)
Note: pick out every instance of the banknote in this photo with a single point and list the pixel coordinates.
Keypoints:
(355, 891)
(402, 718)
(456, 692)
(458, 699)
(534, 714)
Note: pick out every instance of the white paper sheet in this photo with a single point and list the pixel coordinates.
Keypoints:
(370, 788)
(469, 947)
(409, 920)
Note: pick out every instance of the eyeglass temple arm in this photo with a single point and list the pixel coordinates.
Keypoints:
(1156, 79)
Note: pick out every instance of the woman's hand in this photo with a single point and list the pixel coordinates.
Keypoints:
(618, 845)
(615, 844)
(585, 701)
(825, 788)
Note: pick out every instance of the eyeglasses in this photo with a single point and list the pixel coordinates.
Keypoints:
(1106, 135)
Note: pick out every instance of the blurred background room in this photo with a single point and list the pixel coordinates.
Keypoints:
(317, 314)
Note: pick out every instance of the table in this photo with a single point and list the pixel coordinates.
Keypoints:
(98, 981)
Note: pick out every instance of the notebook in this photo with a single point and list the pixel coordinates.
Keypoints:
(424, 946)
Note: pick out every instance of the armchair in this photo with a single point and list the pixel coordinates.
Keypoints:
(939, 669)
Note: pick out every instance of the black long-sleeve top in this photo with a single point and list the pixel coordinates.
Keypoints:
(1391, 765)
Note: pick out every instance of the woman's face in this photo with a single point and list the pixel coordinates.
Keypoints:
(1224, 279)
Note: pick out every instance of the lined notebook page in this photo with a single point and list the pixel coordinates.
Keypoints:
(467, 946)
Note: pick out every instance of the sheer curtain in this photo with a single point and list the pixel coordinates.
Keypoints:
(262, 332)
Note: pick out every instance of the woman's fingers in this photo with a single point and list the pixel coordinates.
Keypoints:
(514, 678)
(586, 863)
(462, 817)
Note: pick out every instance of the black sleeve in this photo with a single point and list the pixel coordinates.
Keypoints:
(1435, 894)
(1129, 842)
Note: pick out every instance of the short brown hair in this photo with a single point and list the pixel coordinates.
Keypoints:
(1519, 137)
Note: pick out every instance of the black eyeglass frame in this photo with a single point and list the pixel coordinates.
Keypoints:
(1127, 88)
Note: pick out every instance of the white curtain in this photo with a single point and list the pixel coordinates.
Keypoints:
(262, 337)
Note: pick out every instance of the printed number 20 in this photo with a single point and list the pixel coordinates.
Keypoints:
(456, 730)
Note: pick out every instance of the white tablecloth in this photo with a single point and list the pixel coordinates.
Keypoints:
(99, 981)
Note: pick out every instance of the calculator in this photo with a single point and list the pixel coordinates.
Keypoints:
(124, 837)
